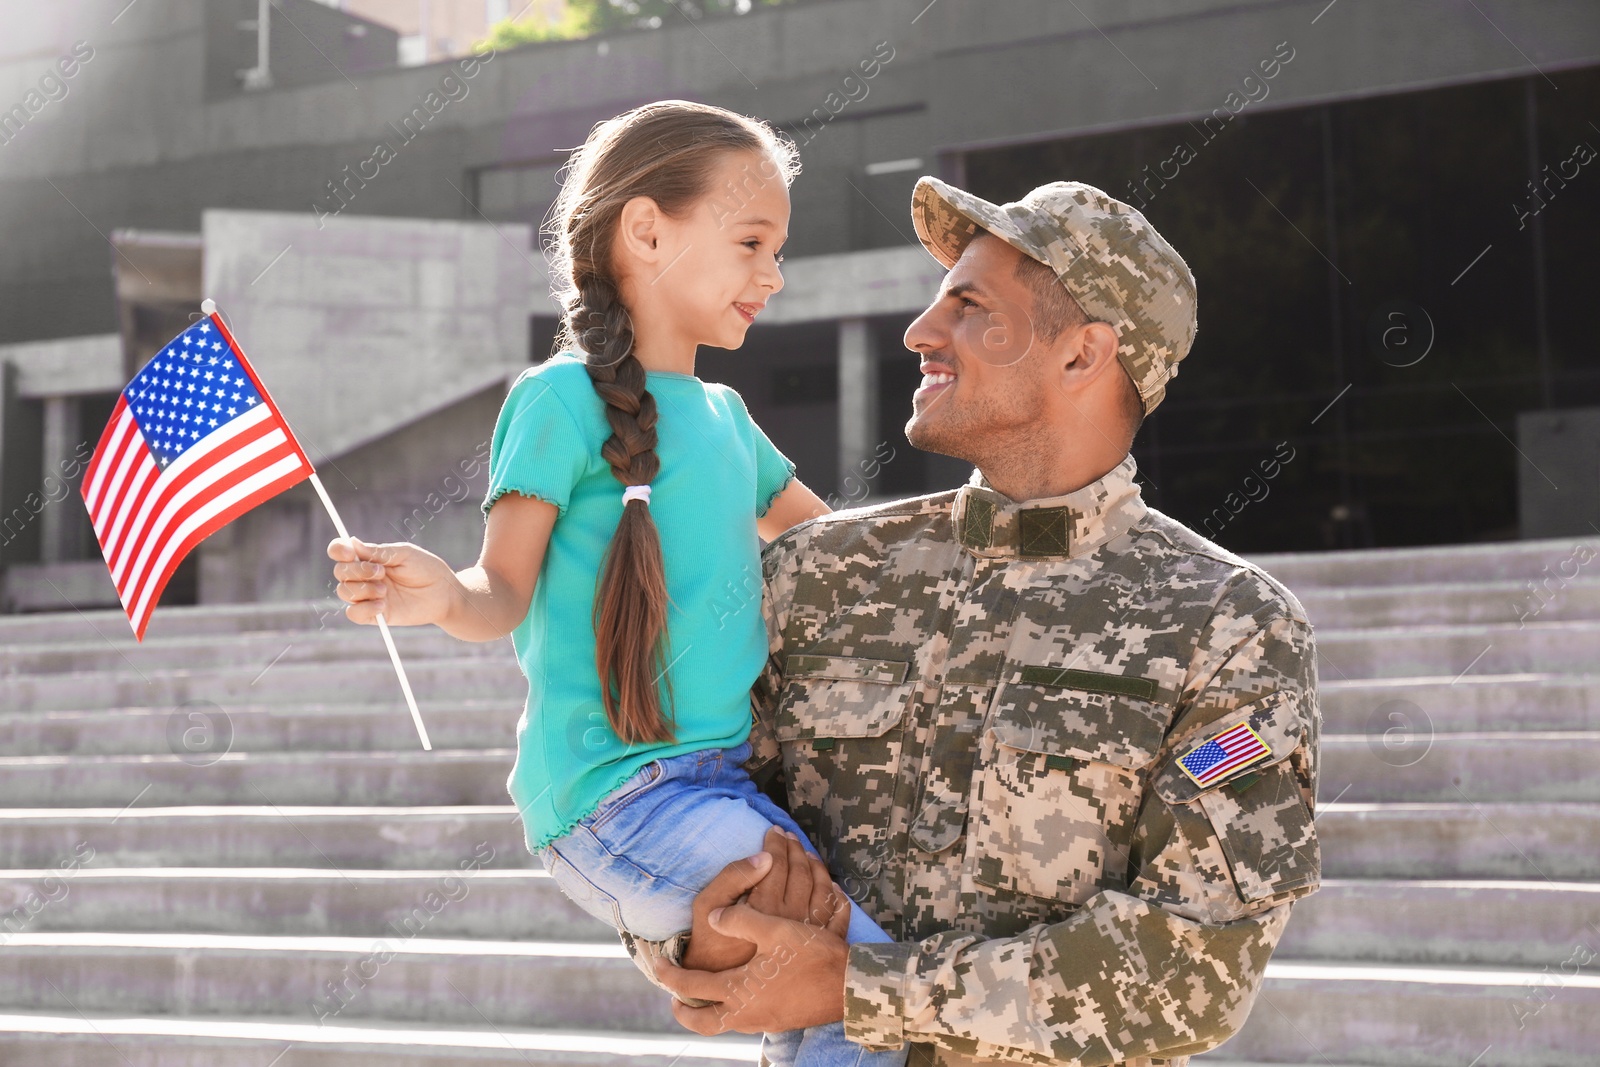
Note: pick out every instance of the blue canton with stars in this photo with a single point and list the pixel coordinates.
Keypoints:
(190, 388)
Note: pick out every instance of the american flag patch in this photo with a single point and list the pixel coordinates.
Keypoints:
(1233, 748)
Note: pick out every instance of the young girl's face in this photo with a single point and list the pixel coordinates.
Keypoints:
(716, 267)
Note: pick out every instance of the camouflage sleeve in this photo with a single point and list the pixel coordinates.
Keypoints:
(778, 563)
(1169, 964)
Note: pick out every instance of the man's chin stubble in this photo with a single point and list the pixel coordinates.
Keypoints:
(940, 442)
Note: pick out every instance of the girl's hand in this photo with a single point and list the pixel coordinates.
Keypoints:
(405, 583)
(783, 880)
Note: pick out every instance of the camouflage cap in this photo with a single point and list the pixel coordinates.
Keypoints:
(1105, 252)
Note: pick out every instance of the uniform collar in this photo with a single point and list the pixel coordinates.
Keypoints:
(1074, 524)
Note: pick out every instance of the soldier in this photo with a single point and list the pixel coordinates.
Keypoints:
(1060, 746)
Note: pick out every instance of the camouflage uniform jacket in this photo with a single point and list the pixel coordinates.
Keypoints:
(979, 706)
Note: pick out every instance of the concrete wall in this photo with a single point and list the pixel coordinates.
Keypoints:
(1560, 450)
(312, 43)
(345, 242)
(68, 366)
(135, 144)
(1157, 61)
(359, 325)
(388, 344)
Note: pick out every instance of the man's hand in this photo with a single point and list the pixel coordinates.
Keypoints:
(794, 980)
(796, 886)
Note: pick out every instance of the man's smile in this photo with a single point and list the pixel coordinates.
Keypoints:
(935, 376)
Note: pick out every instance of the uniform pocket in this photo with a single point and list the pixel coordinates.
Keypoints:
(836, 721)
(1256, 805)
(841, 696)
(1061, 783)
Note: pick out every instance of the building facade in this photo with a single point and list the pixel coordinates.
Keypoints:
(1388, 209)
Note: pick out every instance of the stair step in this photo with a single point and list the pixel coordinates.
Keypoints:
(1447, 922)
(1491, 839)
(1397, 706)
(1306, 1012)
(1547, 558)
(1522, 701)
(1411, 765)
(1561, 647)
(1345, 656)
(218, 688)
(234, 816)
(1314, 1012)
(438, 777)
(339, 643)
(266, 835)
(176, 620)
(198, 730)
(1464, 583)
(70, 1039)
(510, 904)
(1502, 601)
(572, 985)
(1504, 766)
(1517, 924)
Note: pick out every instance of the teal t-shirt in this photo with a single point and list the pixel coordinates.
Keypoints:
(719, 472)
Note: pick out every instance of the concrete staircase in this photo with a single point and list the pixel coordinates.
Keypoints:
(226, 847)
(1459, 812)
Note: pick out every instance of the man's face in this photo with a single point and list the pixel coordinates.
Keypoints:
(984, 372)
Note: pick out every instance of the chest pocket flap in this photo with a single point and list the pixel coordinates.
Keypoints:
(841, 696)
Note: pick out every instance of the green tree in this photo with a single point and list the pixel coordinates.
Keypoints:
(583, 18)
(511, 32)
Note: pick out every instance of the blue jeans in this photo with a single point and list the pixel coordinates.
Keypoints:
(637, 861)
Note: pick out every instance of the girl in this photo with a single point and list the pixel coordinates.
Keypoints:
(636, 618)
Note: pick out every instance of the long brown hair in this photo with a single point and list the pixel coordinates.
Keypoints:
(667, 151)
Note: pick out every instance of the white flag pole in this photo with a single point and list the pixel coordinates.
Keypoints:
(209, 307)
(383, 625)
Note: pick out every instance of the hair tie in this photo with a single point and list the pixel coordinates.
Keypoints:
(636, 492)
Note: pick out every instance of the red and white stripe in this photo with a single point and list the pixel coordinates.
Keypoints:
(1242, 747)
(148, 519)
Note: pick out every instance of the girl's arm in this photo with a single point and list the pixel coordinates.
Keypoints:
(794, 505)
(411, 586)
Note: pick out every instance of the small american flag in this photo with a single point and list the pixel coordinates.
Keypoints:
(1233, 748)
(193, 442)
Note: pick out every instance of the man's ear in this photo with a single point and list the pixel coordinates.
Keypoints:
(639, 229)
(1100, 339)
(1091, 350)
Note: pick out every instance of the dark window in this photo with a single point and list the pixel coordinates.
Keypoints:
(804, 424)
(1377, 298)
(813, 383)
